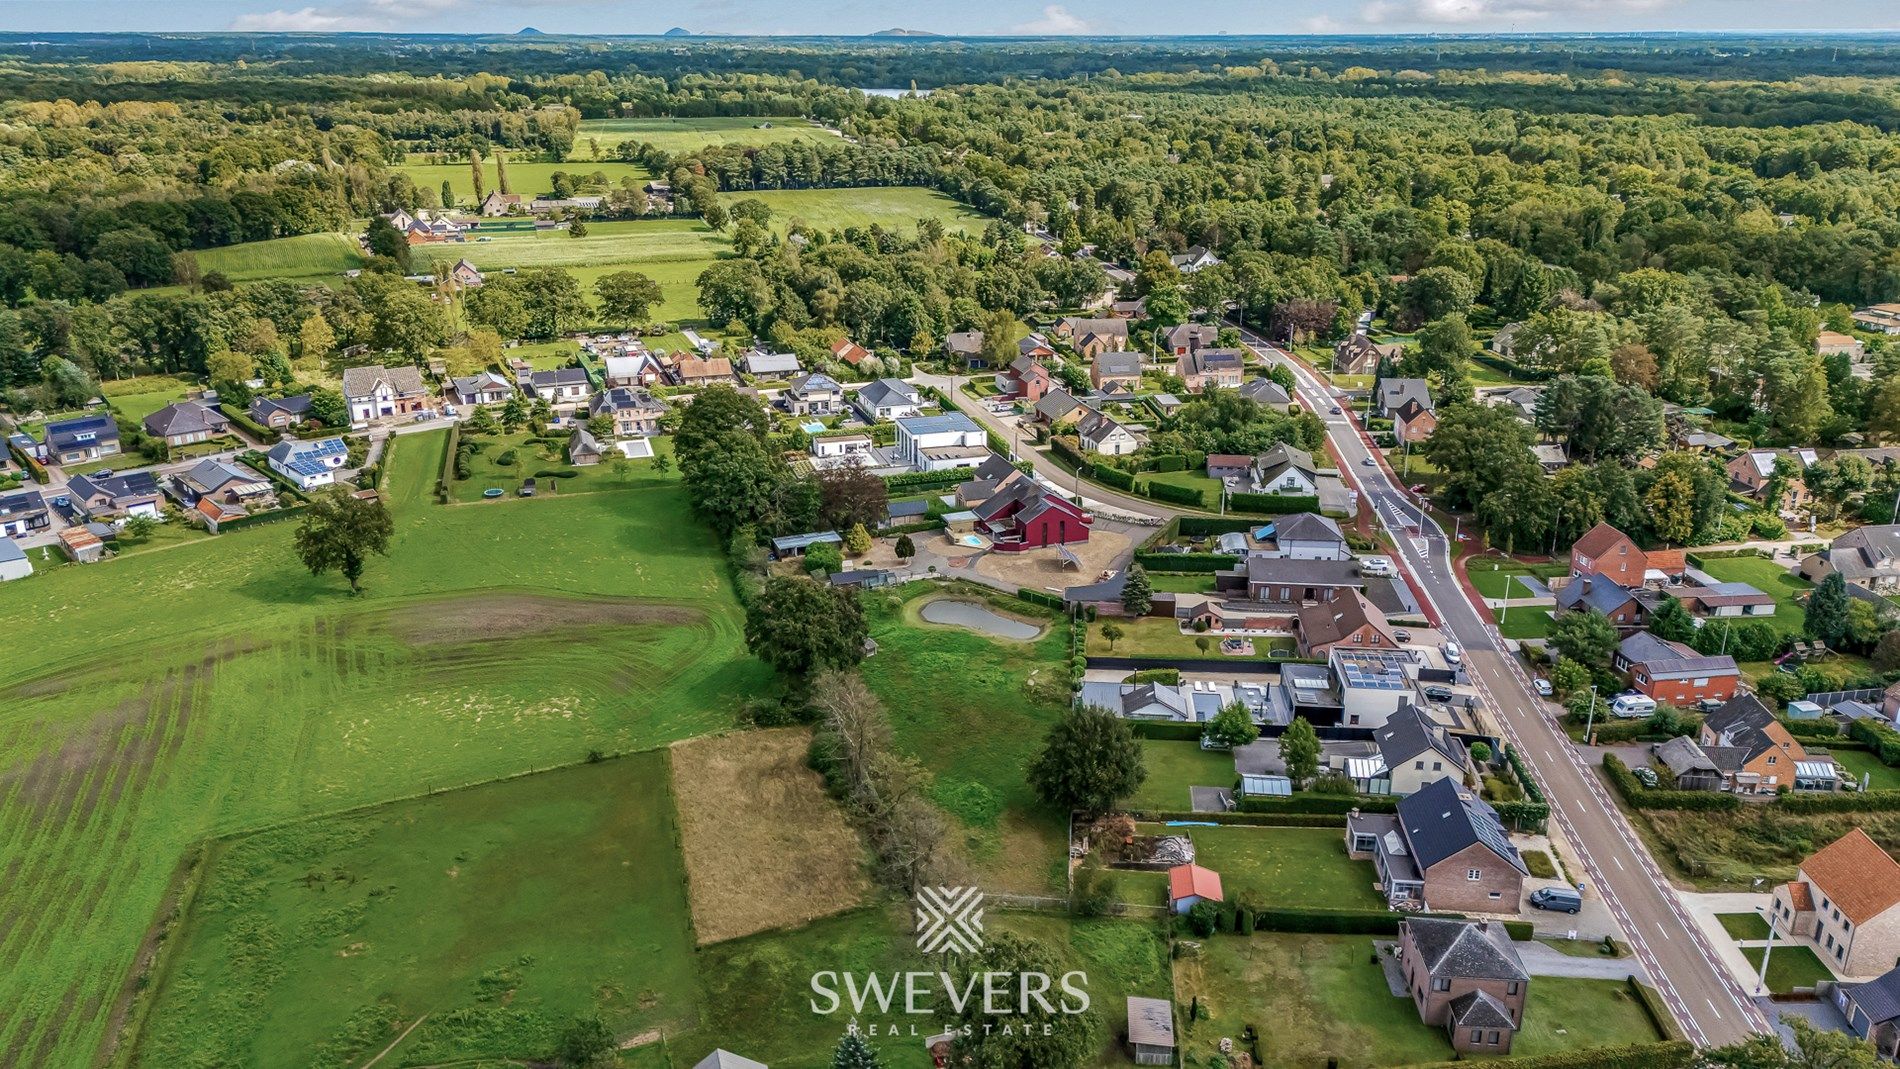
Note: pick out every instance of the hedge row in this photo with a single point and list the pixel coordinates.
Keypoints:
(1356, 922)
(1841, 802)
(1040, 597)
(1252, 820)
(1164, 729)
(1272, 504)
(1204, 526)
(1675, 1054)
(247, 424)
(1186, 562)
(1653, 1005)
(1641, 797)
(1813, 729)
(1179, 495)
(1524, 779)
(1062, 447)
(1884, 740)
(1695, 559)
(924, 480)
(1166, 462)
(1523, 813)
(33, 467)
(1336, 804)
(911, 528)
(446, 478)
(255, 518)
(1114, 477)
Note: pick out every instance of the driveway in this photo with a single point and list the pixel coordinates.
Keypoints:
(1543, 960)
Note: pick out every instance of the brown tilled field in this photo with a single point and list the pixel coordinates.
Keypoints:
(765, 846)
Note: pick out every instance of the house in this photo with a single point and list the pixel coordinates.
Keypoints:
(1504, 342)
(1091, 337)
(1101, 434)
(134, 493)
(1689, 435)
(309, 464)
(82, 544)
(1845, 900)
(425, 227)
(1418, 752)
(186, 423)
(1374, 685)
(1141, 701)
(1413, 422)
(1347, 620)
(279, 413)
(848, 352)
(1605, 551)
(1878, 318)
(1834, 343)
(1206, 369)
(1190, 885)
(24, 512)
(1058, 408)
(77, 441)
(1135, 309)
(1521, 400)
(562, 387)
(376, 392)
(1196, 258)
(634, 412)
(836, 446)
(1036, 347)
(1150, 1030)
(1022, 514)
(785, 546)
(486, 388)
(1025, 379)
(1872, 1010)
(1286, 470)
(1267, 394)
(1444, 850)
(1394, 394)
(636, 368)
(584, 202)
(1752, 750)
(771, 365)
(1704, 595)
(725, 1059)
(1750, 473)
(1115, 368)
(466, 275)
(582, 448)
(225, 482)
(1867, 557)
(888, 399)
(966, 347)
(938, 443)
(1306, 536)
(1298, 582)
(816, 394)
(1467, 978)
(1690, 767)
(13, 562)
(497, 203)
(706, 371)
(1612, 599)
(1360, 355)
(1672, 672)
(1191, 337)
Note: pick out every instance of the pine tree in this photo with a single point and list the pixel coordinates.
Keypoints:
(1826, 616)
(854, 1053)
(857, 540)
(1672, 622)
(1137, 592)
(448, 193)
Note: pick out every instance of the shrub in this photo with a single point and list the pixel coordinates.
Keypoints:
(1884, 740)
(1179, 495)
(1540, 864)
(1167, 462)
(1186, 562)
(1114, 477)
(1039, 597)
(1203, 526)
(1202, 918)
(505, 458)
(1169, 676)
(1272, 504)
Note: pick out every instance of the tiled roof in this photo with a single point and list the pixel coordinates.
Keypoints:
(1598, 540)
(1475, 950)
(1856, 875)
(1190, 880)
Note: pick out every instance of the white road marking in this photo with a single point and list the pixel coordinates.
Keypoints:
(1619, 862)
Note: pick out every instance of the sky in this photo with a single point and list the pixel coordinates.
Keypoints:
(963, 17)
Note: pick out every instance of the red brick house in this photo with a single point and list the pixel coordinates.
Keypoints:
(1753, 751)
(1413, 422)
(1467, 978)
(1672, 672)
(1348, 620)
(1444, 850)
(1026, 379)
(1023, 514)
(1603, 550)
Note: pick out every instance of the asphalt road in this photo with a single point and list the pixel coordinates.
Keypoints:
(1711, 1007)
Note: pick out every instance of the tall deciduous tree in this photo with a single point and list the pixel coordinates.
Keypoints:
(1299, 749)
(1089, 761)
(626, 296)
(800, 627)
(340, 532)
(1586, 637)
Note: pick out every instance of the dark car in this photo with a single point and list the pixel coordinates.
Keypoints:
(527, 488)
(1437, 693)
(1708, 705)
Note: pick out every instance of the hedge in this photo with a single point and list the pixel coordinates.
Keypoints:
(1884, 740)
(1524, 780)
(1203, 526)
(1675, 1054)
(924, 480)
(33, 467)
(255, 518)
(1336, 804)
(1659, 1014)
(1523, 814)
(447, 477)
(911, 528)
(1168, 462)
(1114, 477)
(1164, 729)
(1179, 495)
(1187, 562)
(1251, 820)
(1272, 504)
(1062, 448)
(1841, 802)
(1641, 797)
(1812, 729)
(250, 426)
(1039, 597)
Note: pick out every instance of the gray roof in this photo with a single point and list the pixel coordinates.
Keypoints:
(965, 342)
(1671, 660)
(61, 433)
(212, 474)
(23, 503)
(1193, 333)
(1115, 328)
(1303, 572)
(887, 393)
(1109, 589)
(262, 407)
(1393, 393)
(481, 383)
(816, 382)
(1306, 527)
(560, 376)
(184, 417)
(1863, 551)
(1264, 391)
(1283, 456)
(771, 363)
(582, 441)
(1879, 998)
(1150, 1021)
(1474, 950)
(1407, 733)
(1444, 818)
(1056, 403)
(1206, 360)
(1117, 362)
(1681, 755)
(131, 484)
(10, 551)
(361, 381)
(725, 1059)
(940, 424)
(1594, 592)
(1477, 1009)
(1740, 724)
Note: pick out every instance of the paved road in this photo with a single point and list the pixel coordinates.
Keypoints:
(1712, 1009)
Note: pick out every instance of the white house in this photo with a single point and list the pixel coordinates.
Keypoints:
(888, 399)
(13, 562)
(308, 464)
(838, 446)
(561, 387)
(1100, 434)
(486, 388)
(634, 368)
(938, 443)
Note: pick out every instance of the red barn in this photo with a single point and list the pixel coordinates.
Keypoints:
(1022, 515)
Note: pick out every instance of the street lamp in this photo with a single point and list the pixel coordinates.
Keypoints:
(1590, 723)
(1761, 980)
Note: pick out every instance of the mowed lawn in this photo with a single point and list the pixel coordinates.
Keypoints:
(485, 472)
(136, 398)
(526, 178)
(1174, 766)
(301, 257)
(217, 687)
(1858, 762)
(672, 252)
(501, 912)
(1283, 868)
(1771, 578)
(892, 207)
(958, 701)
(1790, 965)
(677, 136)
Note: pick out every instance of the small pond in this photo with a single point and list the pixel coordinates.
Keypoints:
(977, 618)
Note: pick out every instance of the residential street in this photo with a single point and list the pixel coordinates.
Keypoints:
(1706, 1000)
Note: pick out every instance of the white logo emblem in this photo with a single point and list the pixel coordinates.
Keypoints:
(949, 918)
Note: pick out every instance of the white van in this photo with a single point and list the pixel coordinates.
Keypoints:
(1632, 706)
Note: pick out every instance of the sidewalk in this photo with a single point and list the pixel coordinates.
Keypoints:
(1703, 909)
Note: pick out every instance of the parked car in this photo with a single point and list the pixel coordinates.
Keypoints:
(1542, 685)
(1437, 693)
(1377, 566)
(527, 488)
(1708, 705)
(1402, 635)
(1645, 775)
(1557, 899)
(1453, 653)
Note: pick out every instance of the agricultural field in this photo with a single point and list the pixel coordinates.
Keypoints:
(765, 846)
(526, 178)
(672, 252)
(976, 710)
(892, 207)
(488, 918)
(305, 256)
(679, 136)
(238, 691)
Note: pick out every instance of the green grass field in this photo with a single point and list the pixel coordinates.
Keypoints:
(1770, 578)
(1879, 777)
(961, 703)
(525, 178)
(236, 690)
(485, 471)
(1743, 925)
(136, 398)
(1151, 636)
(1173, 767)
(1791, 965)
(1566, 1014)
(1293, 868)
(301, 257)
(500, 912)
(672, 252)
(677, 136)
(892, 207)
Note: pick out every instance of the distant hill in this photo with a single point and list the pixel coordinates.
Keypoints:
(528, 31)
(898, 32)
(677, 32)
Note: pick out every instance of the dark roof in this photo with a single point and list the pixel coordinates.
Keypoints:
(1265, 391)
(64, 432)
(1669, 660)
(1306, 527)
(1109, 589)
(262, 407)
(900, 509)
(1303, 572)
(560, 376)
(184, 417)
(1475, 950)
(1879, 998)
(23, 503)
(1741, 711)
(131, 484)
(1407, 734)
(995, 468)
(1595, 592)
(1477, 1009)
(1444, 818)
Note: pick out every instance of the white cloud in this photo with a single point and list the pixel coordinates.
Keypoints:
(1055, 20)
(1494, 13)
(1321, 24)
(305, 20)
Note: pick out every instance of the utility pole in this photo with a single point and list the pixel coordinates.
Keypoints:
(1591, 723)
